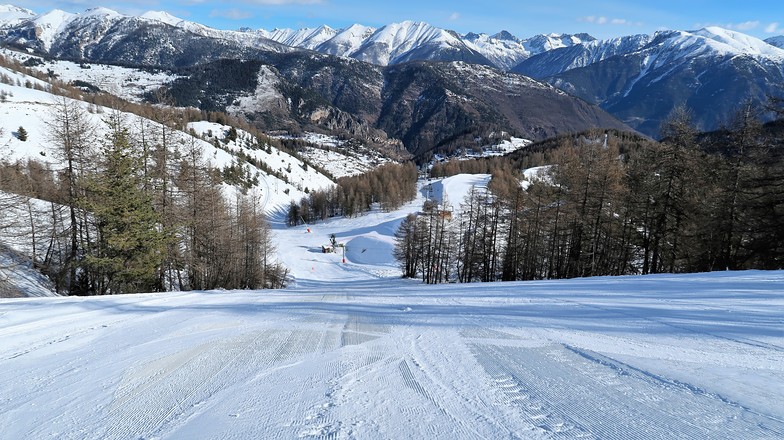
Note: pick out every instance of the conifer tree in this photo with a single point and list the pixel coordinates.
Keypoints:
(130, 244)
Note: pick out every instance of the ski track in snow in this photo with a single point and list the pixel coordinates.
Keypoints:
(394, 359)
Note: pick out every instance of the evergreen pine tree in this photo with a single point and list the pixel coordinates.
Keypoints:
(21, 134)
(130, 245)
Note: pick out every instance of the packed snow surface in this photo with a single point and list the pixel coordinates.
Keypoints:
(687, 356)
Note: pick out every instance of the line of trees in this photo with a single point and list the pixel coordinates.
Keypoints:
(390, 185)
(689, 203)
(140, 210)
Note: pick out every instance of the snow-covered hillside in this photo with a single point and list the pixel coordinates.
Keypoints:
(369, 239)
(31, 109)
(127, 83)
(339, 157)
(26, 104)
(501, 148)
(18, 277)
(656, 357)
(353, 351)
(299, 176)
(12, 15)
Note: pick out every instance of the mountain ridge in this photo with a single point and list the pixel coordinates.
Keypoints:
(638, 78)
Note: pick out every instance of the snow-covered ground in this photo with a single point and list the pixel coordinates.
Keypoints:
(17, 276)
(337, 157)
(502, 148)
(277, 193)
(369, 239)
(352, 351)
(127, 83)
(689, 356)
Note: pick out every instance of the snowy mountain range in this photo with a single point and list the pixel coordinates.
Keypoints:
(99, 30)
(638, 79)
(401, 42)
(56, 31)
(154, 38)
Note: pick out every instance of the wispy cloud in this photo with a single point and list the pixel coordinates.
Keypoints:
(593, 19)
(774, 28)
(747, 25)
(231, 14)
(454, 16)
(601, 20)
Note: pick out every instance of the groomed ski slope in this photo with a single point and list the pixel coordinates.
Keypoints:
(697, 356)
(353, 352)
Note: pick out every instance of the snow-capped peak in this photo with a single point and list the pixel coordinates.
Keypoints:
(307, 38)
(11, 15)
(739, 42)
(49, 24)
(393, 41)
(346, 41)
(411, 31)
(16, 9)
(543, 43)
(100, 12)
(714, 41)
(163, 17)
(506, 35)
(54, 17)
(503, 49)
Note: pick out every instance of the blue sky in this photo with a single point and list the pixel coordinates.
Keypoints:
(603, 19)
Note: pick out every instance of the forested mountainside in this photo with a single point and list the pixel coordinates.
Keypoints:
(430, 107)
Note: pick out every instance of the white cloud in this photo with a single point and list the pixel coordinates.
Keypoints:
(231, 14)
(590, 19)
(455, 16)
(773, 28)
(601, 20)
(747, 25)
